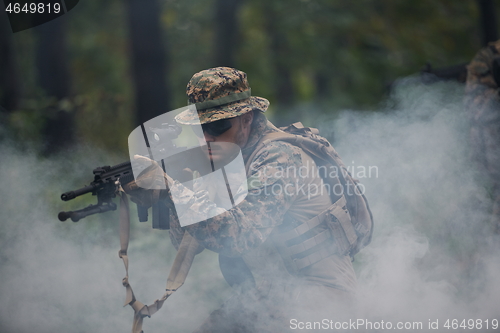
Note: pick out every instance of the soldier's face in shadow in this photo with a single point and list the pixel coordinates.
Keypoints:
(223, 148)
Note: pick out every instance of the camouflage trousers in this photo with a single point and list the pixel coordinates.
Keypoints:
(251, 311)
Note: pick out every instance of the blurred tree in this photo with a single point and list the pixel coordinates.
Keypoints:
(102, 80)
(489, 28)
(9, 84)
(279, 50)
(190, 34)
(149, 60)
(295, 52)
(226, 32)
(54, 79)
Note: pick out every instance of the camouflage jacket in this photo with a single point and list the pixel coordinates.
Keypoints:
(482, 91)
(482, 101)
(247, 225)
(277, 196)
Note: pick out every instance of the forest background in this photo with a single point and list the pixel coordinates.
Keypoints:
(72, 90)
(100, 70)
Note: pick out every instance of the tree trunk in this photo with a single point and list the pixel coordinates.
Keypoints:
(54, 79)
(279, 48)
(226, 31)
(9, 84)
(322, 80)
(489, 30)
(149, 60)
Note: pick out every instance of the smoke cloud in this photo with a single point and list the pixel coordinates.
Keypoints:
(66, 277)
(432, 257)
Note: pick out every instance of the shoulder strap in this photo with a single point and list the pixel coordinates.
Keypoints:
(316, 149)
(322, 152)
(265, 140)
(178, 271)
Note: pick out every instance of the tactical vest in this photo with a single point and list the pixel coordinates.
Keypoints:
(348, 218)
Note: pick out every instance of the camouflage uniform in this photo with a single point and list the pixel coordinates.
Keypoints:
(483, 105)
(275, 199)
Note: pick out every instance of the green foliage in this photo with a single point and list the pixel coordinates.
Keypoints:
(189, 35)
(340, 54)
(103, 120)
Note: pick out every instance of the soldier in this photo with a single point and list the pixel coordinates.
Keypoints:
(482, 102)
(268, 288)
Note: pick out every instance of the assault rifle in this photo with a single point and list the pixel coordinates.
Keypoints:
(106, 180)
(104, 187)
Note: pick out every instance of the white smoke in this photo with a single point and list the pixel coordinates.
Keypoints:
(66, 277)
(432, 256)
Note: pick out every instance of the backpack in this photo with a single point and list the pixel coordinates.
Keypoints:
(354, 229)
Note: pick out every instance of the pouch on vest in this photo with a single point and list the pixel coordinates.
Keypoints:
(349, 218)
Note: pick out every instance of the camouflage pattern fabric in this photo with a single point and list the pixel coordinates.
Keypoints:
(245, 231)
(482, 102)
(278, 197)
(248, 225)
(284, 192)
(216, 83)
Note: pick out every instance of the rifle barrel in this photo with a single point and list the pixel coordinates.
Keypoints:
(77, 215)
(73, 194)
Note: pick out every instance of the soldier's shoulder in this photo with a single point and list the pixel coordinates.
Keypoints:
(279, 152)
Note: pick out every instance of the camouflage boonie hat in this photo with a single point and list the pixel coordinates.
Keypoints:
(219, 93)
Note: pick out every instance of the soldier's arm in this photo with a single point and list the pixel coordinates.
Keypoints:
(271, 191)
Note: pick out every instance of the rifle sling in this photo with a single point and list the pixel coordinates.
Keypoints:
(178, 271)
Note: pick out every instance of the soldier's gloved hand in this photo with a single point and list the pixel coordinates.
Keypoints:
(150, 185)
